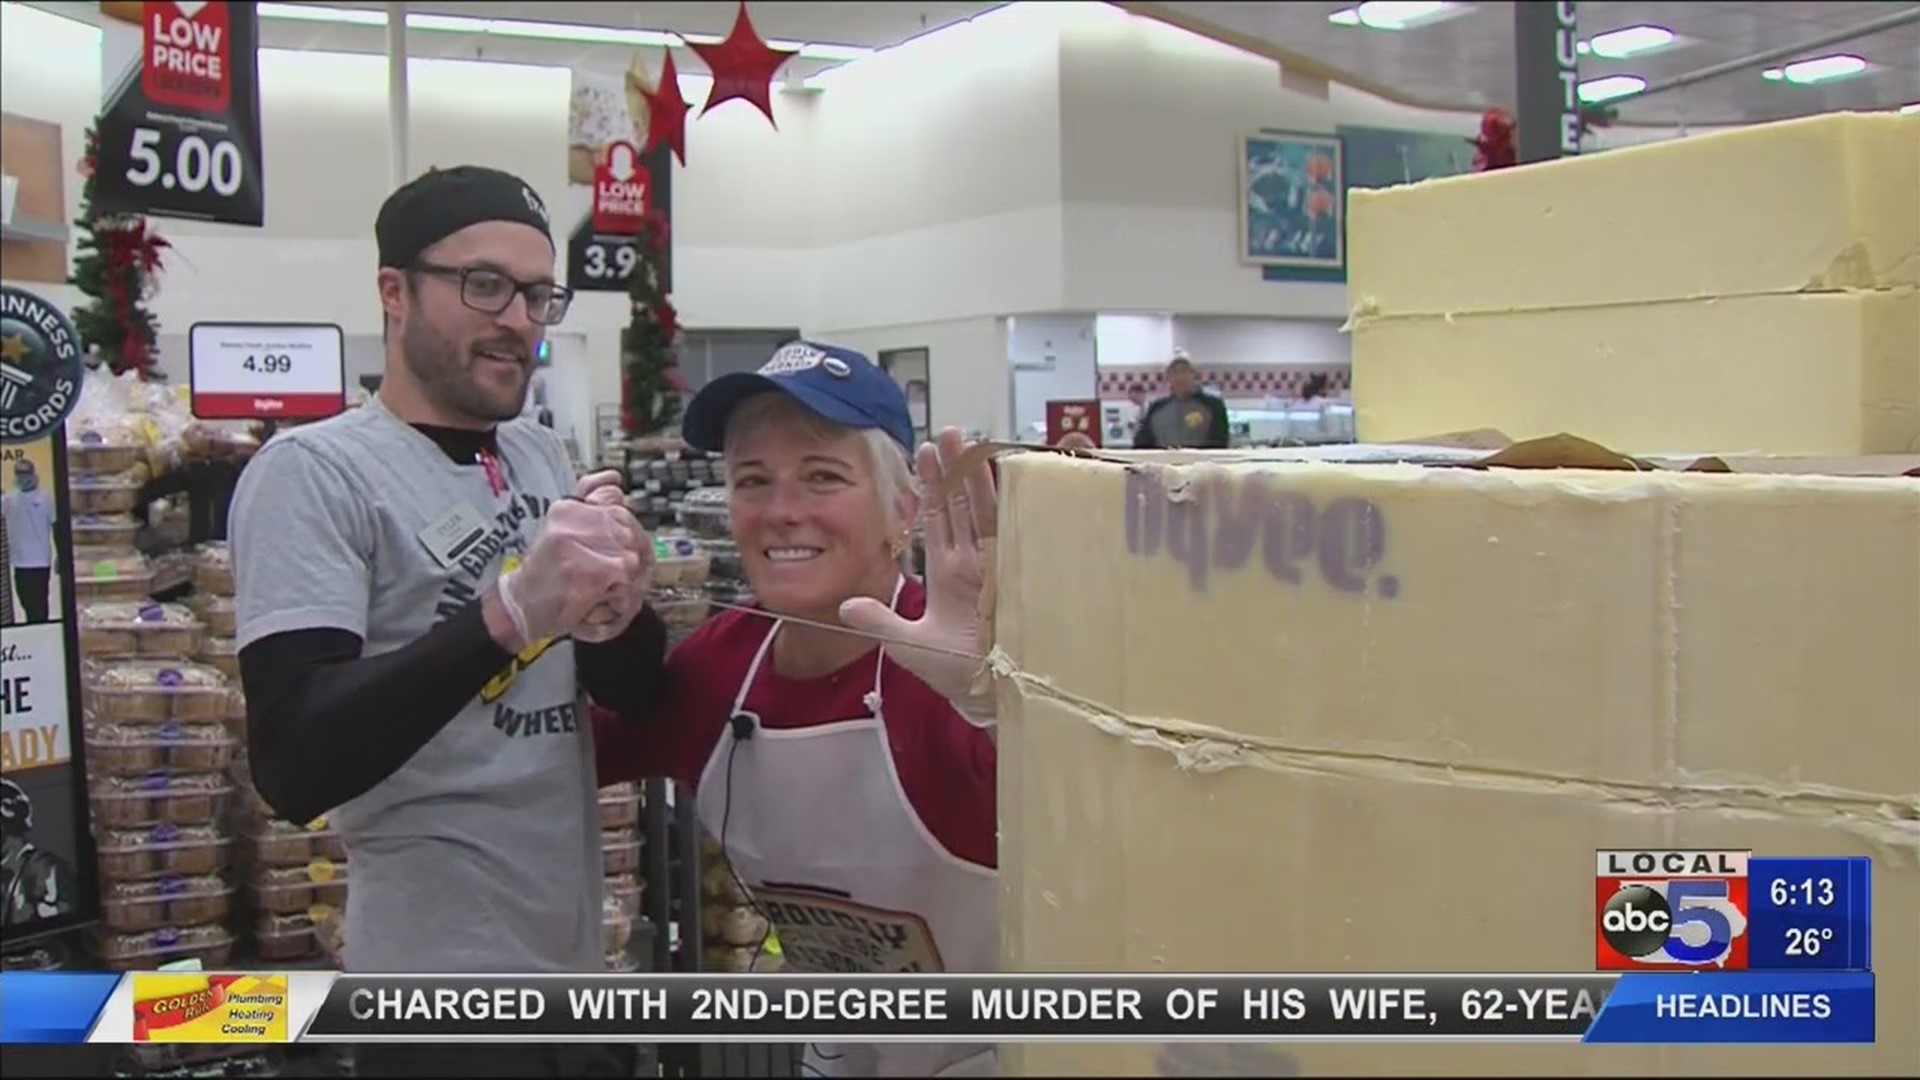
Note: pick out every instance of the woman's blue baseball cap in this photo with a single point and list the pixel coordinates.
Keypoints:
(837, 384)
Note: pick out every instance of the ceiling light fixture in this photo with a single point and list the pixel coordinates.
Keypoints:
(1628, 41)
(1393, 14)
(1817, 70)
(1910, 110)
(1594, 91)
(539, 31)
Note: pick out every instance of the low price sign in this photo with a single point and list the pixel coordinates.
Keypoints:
(180, 131)
(267, 371)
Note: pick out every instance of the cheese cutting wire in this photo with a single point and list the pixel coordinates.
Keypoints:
(881, 638)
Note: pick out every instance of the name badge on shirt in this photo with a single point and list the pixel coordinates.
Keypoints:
(452, 534)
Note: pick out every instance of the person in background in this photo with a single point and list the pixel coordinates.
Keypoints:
(424, 592)
(30, 512)
(1188, 418)
(849, 776)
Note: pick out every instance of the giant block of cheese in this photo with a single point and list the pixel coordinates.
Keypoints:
(1827, 202)
(1313, 717)
(1751, 290)
(1814, 373)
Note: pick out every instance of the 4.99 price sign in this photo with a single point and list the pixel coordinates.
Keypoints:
(180, 133)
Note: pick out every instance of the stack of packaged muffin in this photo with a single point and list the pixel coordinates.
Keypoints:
(620, 856)
(738, 937)
(157, 747)
(294, 873)
(106, 468)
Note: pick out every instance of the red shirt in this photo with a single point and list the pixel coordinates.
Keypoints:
(947, 764)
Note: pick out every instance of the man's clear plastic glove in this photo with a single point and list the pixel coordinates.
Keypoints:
(579, 559)
(945, 647)
(611, 617)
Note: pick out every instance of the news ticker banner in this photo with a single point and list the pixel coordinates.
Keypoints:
(1628, 1008)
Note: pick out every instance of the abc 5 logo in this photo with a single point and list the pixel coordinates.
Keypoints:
(1680, 924)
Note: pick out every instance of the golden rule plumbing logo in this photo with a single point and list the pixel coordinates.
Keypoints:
(209, 1008)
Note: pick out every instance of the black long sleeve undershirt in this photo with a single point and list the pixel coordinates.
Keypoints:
(326, 724)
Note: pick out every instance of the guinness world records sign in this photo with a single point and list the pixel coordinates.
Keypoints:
(46, 865)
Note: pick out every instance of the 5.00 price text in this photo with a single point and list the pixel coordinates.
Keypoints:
(197, 164)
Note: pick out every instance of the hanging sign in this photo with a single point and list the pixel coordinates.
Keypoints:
(267, 371)
(47, 885)
(622, 183)
(179, 134)
(1547, 77)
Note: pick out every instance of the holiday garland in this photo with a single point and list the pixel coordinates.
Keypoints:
(650, 401)
(117, 266)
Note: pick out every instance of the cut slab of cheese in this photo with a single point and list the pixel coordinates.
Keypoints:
(1377, 718)
(1818, 203)
(1828, 373)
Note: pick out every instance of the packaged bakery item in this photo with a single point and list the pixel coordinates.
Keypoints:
(703, 513)
(156, 691)
(329, 932)
(282, 843)
(118, 493)
(284, 937)
(210, 944)
(161, 851)
(740, 961)
(721, 886)
(680, 607)
(289, 890)
(737, 926)
(137, 628)
(131, 907)
(620, 850)
(679, 560)
(104, 533)
(122, 575)
(103, 447)
(616, 925)
(221, 654)
(619, 807)
(121, 802)
(216, 610)
(234, 714)
(144, 750)
(213, 569)
(624, 889)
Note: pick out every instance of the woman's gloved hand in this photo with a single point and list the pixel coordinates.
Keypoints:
(611, 617)
(945, 646)
(579, 559)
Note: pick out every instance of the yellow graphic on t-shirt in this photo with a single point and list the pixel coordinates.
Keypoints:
(209, 1008)
(497, 687)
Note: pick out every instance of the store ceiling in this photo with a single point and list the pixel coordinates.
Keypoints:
(1463, 60)
(861, 26)
(1466, 60)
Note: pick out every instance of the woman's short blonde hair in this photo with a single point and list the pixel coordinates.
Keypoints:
(892, 470)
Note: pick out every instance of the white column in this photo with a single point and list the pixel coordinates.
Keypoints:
(397, 110)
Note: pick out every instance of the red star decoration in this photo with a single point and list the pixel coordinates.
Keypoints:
(667, 113)
(743, 67)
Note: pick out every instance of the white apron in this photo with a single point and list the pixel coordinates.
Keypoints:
(821, 832)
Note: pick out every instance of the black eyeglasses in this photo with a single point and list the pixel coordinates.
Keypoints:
(488, 290)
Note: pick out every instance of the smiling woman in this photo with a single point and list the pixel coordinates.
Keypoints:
(853, 796)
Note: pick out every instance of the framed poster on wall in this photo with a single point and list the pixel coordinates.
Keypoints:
(1292, 211)
(911, 369)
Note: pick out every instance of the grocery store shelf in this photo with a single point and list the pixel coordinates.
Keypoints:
(41, 232)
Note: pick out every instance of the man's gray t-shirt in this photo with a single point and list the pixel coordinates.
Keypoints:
(483, 852)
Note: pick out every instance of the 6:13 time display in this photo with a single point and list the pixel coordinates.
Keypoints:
(1806, 892)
